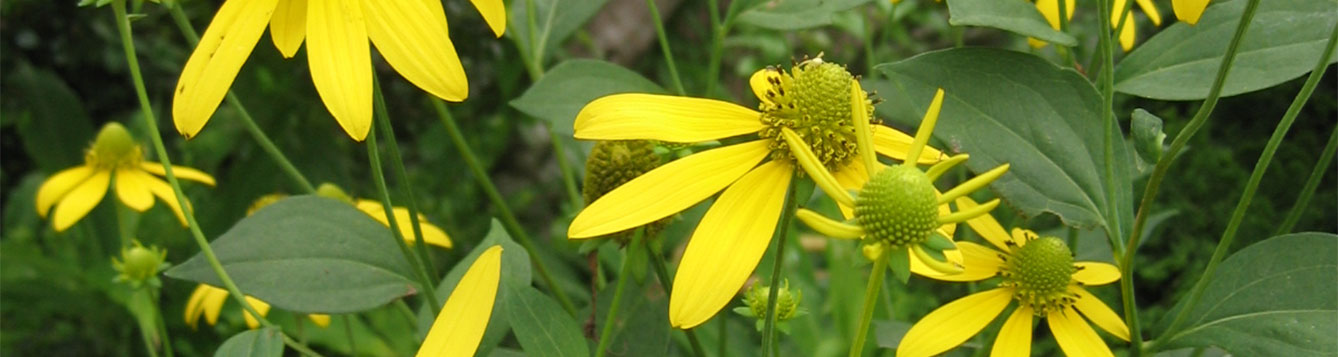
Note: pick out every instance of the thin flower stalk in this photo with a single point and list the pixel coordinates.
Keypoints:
(406, 185)
(378, 175)
(769, 327)
(664, 46)
(1311, 184)
(611, 317)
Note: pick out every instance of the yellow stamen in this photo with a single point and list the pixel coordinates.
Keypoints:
(975, 183)
(813, 166)
(969, 213)
(827, 226)
(926, 129)
(943, 166)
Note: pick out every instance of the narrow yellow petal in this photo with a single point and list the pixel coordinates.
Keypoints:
(1050, 10)
(980, 263)
(955, 259)
(165, 193)
(288, 26)
(852, 176)
(896, 144)
(974, 184)
(813, 166)
(494, 12)
(80, 200)
(827, 226)
(1150, 9)
(667, 189)
(212, 303)
(260, 306)
(985, 225)
(1128, 35)
(431, 234)
(194, 306)
(58, 185)
(727, 244)
(963, 215)
(943, 166)
(1189, 11)
(1034, 43)
(1095, 273)
(411, 35)
(863, 131)
(341, 62)
(954, 323)
(132, 190)
(760, 82)
(1014, 338)
(945, 267)
(1099, 313)
(1022, 236)
(321, 320)
(1074, 336)
(181, 172)
(633, 116)
(459, 328)
(213, 65)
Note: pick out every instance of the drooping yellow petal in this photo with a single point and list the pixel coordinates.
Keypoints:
(636, 116)
(132, 190)
(985, 225)
(1074, 336)
(667, 189)
(80, 200)
(165, 193)
(895, 144)
(727, 244)
(1127, 33)
(58, 185)
(1034, 43)
(193, 308)
(181, 172)
(1189, 11)
(494, 12)
(974, 184)
(813, 166)
(411, 35)
(859, 114)
(1151, 10)
(827, 226)
(947, 266)
(1099, 313)
(341, 62)
(980, 263)
(943, 166)
(1022, 236)
(321, 320)
(954, 323)
(760, 82)
(1014, 338)
(963, 215)
(205, 300)
(851, 177)
(1050, 10)
(214, 64)
(1096, 273)
(260, 306)
(459, 327)
(288, 26)
(431, 234)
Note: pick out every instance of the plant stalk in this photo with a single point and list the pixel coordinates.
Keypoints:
(379, 177)
(1312, 183)
(406, 184)
(769, 329)
(662, 272)
(610, 317)
(664, 46)
(870, 300)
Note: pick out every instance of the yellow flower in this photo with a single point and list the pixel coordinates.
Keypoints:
(207, 301)
(460, 325)
(1040, 274)
(411, 36)
(113, 159)
(1189, 11)
(432, 234)
(814, 99)
(898, 211)
(1050, 9)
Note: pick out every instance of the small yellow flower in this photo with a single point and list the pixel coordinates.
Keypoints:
(432, 234)
(207, 301)
(114, 159)
(1128, 34)
(814, 100)
(1038, 273)
(460, 325)
(411, 36)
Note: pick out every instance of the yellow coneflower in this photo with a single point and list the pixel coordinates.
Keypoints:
(207, 301)
(1187, 11)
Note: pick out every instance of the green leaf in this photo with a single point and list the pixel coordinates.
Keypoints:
(515, 273)
(790, 15)
(1284, 41)
(899, 260)
(1011, 107)
(309, 254)
(641, 327)
(569, 86)
(1275, 297)
(542, 327)
(554, 21)
(1017, 16)
(264, 342)
(54, 127)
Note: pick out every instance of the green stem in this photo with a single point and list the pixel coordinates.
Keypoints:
(123, 216)
(769, 329)
(719, 28)
(724, 335)
(162, 325)
(348, 334)
(870, 299)
(568, 175)
(1251, 186)
(1163, 165)
(406, 312)
(662, 272)
(1107, 53)
(379, 177)
(1321, 167)
(611, 316)
(664, 46)
(406, 184)
(535, 63)
(508, 219)
(183, 23)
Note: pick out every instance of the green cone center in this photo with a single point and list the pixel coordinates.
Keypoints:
(114, 148)
(897, 207)
(1041, 271)
(814, 101)
(612, 164)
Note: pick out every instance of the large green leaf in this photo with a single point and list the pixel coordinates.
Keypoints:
(541, 326)
(790, 15)
(1284, 41)
(1273, 298)
(1017, 16)
(264, 342)
(554, 20)
(515, 273)
(570, 85)
(53, 125)
(309, 254)
(1010, 107)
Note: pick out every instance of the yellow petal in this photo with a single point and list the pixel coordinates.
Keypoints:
(459, 328)
(411, 35)
(165, 193)
(1022, 236)
(193, 308)
(727, 244)
(1189, 11)
(859, 110)
(667, 189)
(494, 12)
(181, 172)
(1151, 10)
(1100, 314)
(431, 234)
(761, 83)
(985, 225)
(205, 300)
(980, 262)
(1015, 336)
(1034, 43)
(1074, 336)
(851, 177)
(58, 185)
(1050, 10)
(954, 323)
(827, 226)
(80, 200)
(1127, 35)
(288, 26)
(341, 63)
(132, 190)
(815, 169)
(633, 116)
(895, 144)
(214, 64)
(321, 320)
(260, 306)
(1095, 273)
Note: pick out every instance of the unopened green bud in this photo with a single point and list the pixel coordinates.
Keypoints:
(330, 190)
(787, 302)
(140, 265)
(114, 148)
